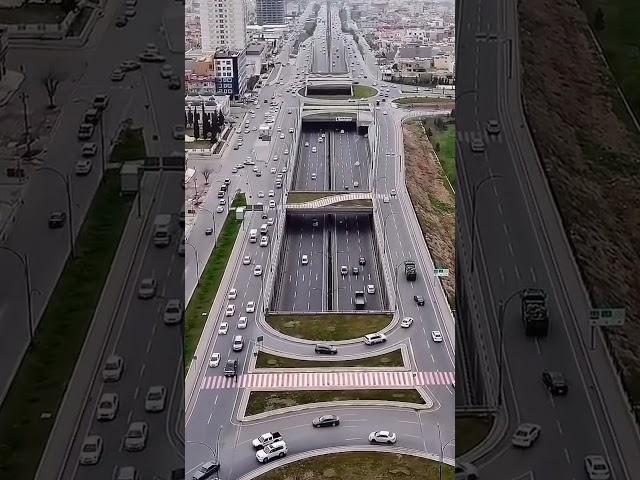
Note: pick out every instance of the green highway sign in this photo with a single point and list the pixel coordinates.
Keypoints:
(606, 317)
(441, 272)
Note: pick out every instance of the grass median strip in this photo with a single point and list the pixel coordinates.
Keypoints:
(29, 409)
(470, 431)
(260, 402)
(329, 326)
(391, 359)
(210, 279)
(359, 466)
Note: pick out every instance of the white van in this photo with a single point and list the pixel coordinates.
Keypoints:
(373, 338)
(253, 235)
(264, 228)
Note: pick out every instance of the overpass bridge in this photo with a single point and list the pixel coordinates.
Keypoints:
(329, 202)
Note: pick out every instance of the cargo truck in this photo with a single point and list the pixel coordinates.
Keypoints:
(410, 270)
(162, 230)
(534, 312)
(359, 300)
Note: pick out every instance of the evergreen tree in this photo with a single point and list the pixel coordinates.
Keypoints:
(206, 128)
(196, 126)
(190, 116)
(429, 132)
(436, 147)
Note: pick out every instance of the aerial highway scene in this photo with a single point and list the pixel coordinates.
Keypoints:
(328, 311)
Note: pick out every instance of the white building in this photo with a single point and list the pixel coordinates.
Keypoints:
(223, 25)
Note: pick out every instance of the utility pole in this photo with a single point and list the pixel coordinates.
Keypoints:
(27, 135)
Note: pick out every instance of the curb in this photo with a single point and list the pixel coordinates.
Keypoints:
(326, 451)
(391, 348)
(429, 403)
(487, 444)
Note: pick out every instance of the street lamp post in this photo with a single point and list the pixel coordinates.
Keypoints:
(24, 260)
(474, 195)
(67, 185)
(196, 252)
(502, 305)
(442, 447)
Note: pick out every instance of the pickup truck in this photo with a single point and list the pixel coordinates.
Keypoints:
(266, 439)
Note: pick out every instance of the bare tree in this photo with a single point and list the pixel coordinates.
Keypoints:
(51, 82)
(206, 173)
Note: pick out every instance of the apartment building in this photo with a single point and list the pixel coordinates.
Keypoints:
(270, 12)
(222, 25)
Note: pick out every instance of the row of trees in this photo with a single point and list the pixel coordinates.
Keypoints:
(207, 126)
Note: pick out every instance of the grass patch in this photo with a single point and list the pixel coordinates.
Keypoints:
(365, 202)
(260, 402)
(391, 359)
(76, 27)
(360, 465)
(329, 326)
(363, 91)
(302, 197)
(239, 201)
(417, 100)
(30, 13)
(205, 292)
(41, 381)
(441, 207)
(198, 144)
(470, 431)
(130, 145)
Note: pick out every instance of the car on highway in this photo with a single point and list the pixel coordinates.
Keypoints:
(326, 421)
(436, 336)
(264, 241)
(117, 75)
(156, 399)
(314, 150)
(525, 435)
(85, 131)
(173, 311)
(220, 208)
(362, 261)
(493, 127)
(597, 467)
(214, 361)
(166, 71)
(91, 450)
(107, 406)
(406, 322)
(121, 21)
(355, 271)
(83, 166)
(238, 343)
(246, 260)
(291, 130)
(273, 170)
(393, 192)
(260, 194)
(233, 294)
(272, 193)
(465, 471)
(223, 329)
(135, 439)
(130, 65)
(257, 270)
(174, 82)
(419, 299)
(274, 450)
(147, 288)
(382, 436)
(272, 204)
(270, 221)
(304, 260)
(555, 382)
(242, 323)
(231, 310)
(251, 307)
(306, 144)
(344, 270)
(281, 135)
(324, 349)
(371, 289)
(205, 471)
(151, 57)
(374, 338)
(477, 145)
(113, 368)
(178, 132)
(88, 150)
(385, 199)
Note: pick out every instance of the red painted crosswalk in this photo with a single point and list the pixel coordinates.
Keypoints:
(311, 380)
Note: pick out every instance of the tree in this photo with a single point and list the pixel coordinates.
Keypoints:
(215, 131)
(429, 132)
(220, 119)
(598, 21)
(68, 5)
(186, 120)
(51, 82)
(196, 126)
(206, 173)
(190, 117)
(436, 147)
(206, 128)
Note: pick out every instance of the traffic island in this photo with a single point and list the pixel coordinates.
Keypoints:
(267, 360)
(471, 431)
(361, 466)
(327, 327)
(260, 404)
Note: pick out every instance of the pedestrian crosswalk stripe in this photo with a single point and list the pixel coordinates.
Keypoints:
(311, 380)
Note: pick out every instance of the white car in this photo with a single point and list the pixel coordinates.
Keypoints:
(91, 450)
(371, 289)
(233, 294)
(136, 437)
(597, 467)
(525, 435)
(291, 130)
(273, 170)
(385, 199)
(272, 193)
(107, 406)
(314, 149)
(436, 336)
(166, 71)
(261, 194)
(257, 270)
(220, 208)
(83, 166)
(89, 149)
(406, 322)
(306, 144)
(304, 260)
(242, 323)
(393, 192)
(382, 436)
(224, 328)
(477, 145)
(246, 260)
(270, 221)
(214, 361)
(173, 312)
(264, 241)
(251, 307)
(178, 132)
(113, 368)
(314, 176)
(493, 127)
(282, 135)
(272, 204)
(155, 399)
(273, 450)
(286, 151)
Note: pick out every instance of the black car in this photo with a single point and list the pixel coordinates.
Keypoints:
(326, 421)
(177, 474)
(121, 21)
(208, 231)
(362, 261)
(205, 471)
(174, 83)
(231, 368)
(355, 271)
(220, 194)
(419, 299)
(555, 382)
(57, 219)
(326, 349)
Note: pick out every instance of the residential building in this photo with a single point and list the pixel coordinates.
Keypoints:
(222, 25)
(224, 72)
(270, 12)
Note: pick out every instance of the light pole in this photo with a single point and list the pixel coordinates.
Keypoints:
(196, 252)
(24, 260)
(502, 305)
(474, 195)
(67, 185)
(442, 447)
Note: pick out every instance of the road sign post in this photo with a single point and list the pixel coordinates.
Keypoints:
(605, 317)
(441, 272)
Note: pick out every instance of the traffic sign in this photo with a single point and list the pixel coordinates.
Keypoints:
(441, 272)
(606, 317)
(344, 119)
